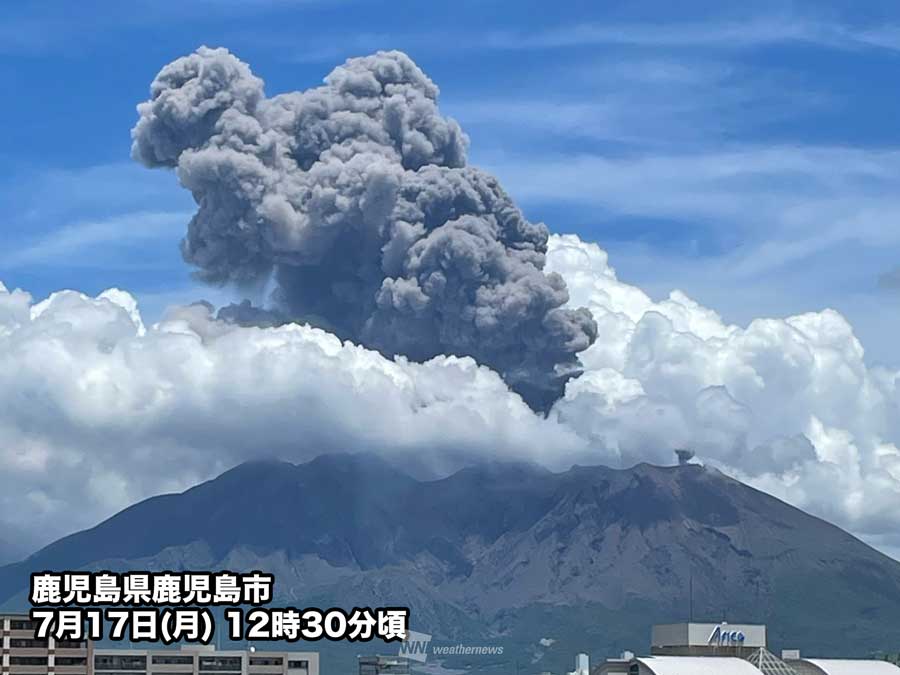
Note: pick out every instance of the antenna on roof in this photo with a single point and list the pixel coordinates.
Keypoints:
(691, 592)
(684, 455)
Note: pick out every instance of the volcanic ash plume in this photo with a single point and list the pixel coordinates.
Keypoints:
(355, 201)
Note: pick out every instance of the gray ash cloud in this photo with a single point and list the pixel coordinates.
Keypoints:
(355, 201)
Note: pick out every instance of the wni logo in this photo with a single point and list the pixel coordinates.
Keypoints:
(415, 646)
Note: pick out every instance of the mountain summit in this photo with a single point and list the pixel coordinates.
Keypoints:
(589, 557)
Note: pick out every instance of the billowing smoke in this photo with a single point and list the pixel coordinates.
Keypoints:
(355, 202)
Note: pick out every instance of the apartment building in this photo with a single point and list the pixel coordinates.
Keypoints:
(25, 654)
(202, 660)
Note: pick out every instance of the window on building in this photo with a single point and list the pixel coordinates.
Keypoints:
(174, 660)
(70, 661)
(119, 662)
(220, 664)
(299, 664)
(383, 666)
(71, 644)
(20, 624)
(266, 661)
(28, 660)
(28, 643)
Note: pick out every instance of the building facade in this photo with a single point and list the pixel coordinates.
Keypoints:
(25, 654)
(200, 660)
(728, 649)
(707, 639)
(383, 665)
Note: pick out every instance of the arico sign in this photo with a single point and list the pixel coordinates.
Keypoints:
(723, 637)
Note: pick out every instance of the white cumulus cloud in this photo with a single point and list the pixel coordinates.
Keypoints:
(101, 410)
(788, 405)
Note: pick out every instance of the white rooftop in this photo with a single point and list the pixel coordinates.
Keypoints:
(698, 665)
(852, 667)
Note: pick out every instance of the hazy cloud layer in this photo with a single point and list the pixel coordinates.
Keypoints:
(354, 199)
(99, 407)
(890, 281)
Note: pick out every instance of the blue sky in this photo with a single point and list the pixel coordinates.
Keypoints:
(745, 153)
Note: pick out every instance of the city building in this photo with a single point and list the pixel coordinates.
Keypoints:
(202, 660)
(728, 649)
(22, 653)
(707, 639)
(25, 654)
(383, 665)
(582, 665)
(841, 667)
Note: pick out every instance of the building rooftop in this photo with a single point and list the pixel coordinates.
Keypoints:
(853, 667)
(697, 665)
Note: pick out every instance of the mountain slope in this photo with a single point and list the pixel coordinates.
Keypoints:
(10, 551)
(590, 556)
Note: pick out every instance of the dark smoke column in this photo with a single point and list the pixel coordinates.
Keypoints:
(355, 199)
